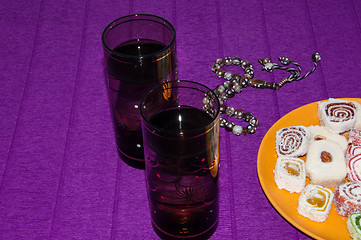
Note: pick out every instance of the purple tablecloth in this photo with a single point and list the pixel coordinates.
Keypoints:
(60, 177)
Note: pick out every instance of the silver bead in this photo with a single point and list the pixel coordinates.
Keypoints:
(268, 67)
(227, 61)
(215, 67)
(253, 122)
(220, 62)
(227, 84)
(230, 111)
(206, 101)
(220, 73)
(316, 57)
(251, 129)
(220, 88)
(229, 126)
(222, 122)
(228, 76)
(236, 61)
(237, 88)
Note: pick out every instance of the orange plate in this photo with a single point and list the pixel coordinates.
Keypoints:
(285, 202)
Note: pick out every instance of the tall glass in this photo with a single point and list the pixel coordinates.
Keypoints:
(140, 52)
(180, 122)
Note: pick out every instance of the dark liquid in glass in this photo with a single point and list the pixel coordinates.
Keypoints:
(141, 65)
(182, 174)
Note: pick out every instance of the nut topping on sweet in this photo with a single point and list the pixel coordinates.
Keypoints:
(326, 157)
(319, 137)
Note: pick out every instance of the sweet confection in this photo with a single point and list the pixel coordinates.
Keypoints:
(292, 141)
(338, 115)
(315, 202)
(354, 168)
(352, 151)
(348, 198)
(354, 137)
(290, 174)
(354, 226)
(321, 133)
(325, 163)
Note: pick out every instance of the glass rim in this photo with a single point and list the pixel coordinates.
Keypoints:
(160, 87)
(167, 24)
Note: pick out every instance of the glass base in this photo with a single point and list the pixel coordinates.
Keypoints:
(201, 236)
(132, 162)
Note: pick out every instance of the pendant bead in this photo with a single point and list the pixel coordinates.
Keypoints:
(237, 130)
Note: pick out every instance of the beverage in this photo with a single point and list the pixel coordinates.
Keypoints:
(133, 68)
(182, 172)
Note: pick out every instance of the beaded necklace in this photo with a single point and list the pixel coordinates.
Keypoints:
(234, 83)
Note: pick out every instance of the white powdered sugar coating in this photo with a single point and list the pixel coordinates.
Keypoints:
(342, 116)
(323, 173)
(318, 132)
(285, 177)
(312, 210)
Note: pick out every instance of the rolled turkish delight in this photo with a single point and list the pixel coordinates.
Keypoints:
(292, 141)
(348, 198)
(325, 163)
(315, 202)
(354, 226)
(338, 115)
(290, 174)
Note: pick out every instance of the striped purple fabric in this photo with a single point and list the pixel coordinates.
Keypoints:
(60, 176)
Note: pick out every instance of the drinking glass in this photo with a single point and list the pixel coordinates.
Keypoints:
(140, 52)
(180, 122)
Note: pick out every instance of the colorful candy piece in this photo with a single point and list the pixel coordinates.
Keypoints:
(338, 115)
(325, 163)
(354, 226)
(292, 141)
(290, 174)
(315, 202)
(348, 198)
